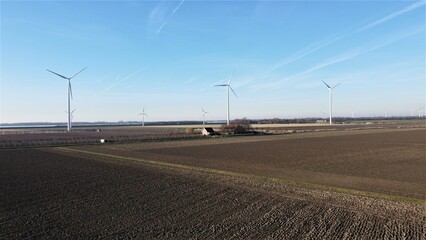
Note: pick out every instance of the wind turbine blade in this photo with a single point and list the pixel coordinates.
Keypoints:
(233, 92)
(326, 84)
(202, 109)
(78, 72)
(221, 85)
(232, 75)
(57, 74)
(70, 88)
(336, 85)
(146, 114)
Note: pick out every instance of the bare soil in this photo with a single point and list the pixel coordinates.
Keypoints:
(34, 137)
(57, 194)
(388, 161)
(55, 137)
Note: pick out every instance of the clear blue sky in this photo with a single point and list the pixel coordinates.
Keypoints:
(167, 55)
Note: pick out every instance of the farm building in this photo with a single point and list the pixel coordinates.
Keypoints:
(208, 131)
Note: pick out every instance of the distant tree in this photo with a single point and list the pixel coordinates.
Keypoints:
(244, 123)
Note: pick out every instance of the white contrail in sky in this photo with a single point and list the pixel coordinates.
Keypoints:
(177, 7)
(161, 27)
(341, 58)
(116, 81)
(319, 45)
(393, 15)
(168, 19)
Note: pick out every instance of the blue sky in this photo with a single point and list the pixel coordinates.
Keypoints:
(167, 55)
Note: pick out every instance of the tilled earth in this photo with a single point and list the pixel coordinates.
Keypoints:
(55, 194)
(16, 138)
(382, 161)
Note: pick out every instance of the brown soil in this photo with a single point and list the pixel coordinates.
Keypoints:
(384, 161)
(55, 194)
(55, 137)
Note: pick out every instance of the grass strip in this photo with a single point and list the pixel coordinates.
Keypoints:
(395, 198)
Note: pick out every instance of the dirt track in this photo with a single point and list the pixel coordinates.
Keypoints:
(56, 194)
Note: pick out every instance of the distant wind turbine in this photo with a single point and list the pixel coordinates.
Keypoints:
(421, 112)
(69, 94)
(352, 114)
(204, 116)
(330, 91)
(228, 86)
(143, 116)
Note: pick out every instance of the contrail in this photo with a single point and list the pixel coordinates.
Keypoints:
(177, 7)
(308, 50)
(303, 53)
(392, 15)
(356, 54)
(341, 58)
(123, 79)
(320, 45)
(161, 27)
(168, 19)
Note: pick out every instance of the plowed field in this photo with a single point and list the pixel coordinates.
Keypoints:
(59, 194)
(382, 161)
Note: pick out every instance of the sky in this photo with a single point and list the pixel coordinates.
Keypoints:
(167, 55)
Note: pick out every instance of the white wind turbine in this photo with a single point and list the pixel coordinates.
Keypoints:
(228, 86)
(72, 116)
(143, 116)
(330, 91)
(204, 116)
(69, 95)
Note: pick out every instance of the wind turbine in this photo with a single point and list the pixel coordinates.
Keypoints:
(143, 116)
(72, 116)
(204, 116)
(69, 94)
(228, 86)
(352, 114)
(330, 91)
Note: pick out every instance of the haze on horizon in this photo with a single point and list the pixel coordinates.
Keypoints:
(166, 56)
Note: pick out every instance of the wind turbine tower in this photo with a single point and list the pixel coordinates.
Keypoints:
(69, 95)
(72, 116)
(143, 116)
(204, 116)
(330, 96)
(228, 86)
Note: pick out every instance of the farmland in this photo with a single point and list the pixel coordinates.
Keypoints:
(52, 136)
(383, 161)
(366, 184)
